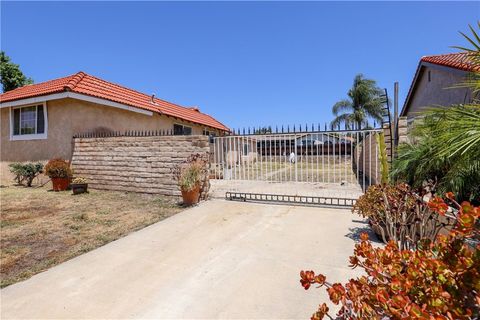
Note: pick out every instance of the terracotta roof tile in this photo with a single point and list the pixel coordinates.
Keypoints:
(459, 60)
(83, 83)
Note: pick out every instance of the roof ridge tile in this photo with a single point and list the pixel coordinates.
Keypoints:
(74, 81)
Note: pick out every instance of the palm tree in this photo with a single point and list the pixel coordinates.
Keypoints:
(364, 101)
(473, 81)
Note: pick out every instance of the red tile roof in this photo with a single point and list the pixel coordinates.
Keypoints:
(83, 83)
(459, 60)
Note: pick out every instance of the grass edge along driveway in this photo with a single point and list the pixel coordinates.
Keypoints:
(41, 228)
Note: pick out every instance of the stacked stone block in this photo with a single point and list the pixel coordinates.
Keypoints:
(134, 164)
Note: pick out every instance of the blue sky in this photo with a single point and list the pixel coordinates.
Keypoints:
(246, 63)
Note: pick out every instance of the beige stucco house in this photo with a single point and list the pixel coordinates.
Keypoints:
(38, 121)
(436, 83)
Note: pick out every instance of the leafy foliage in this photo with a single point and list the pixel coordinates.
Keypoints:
(399, 214)
(445, 149)
(58, 168)
(473, 81)
(363, 101)
(193, 172)
(440, 280)
(26, 172)
(11, 75)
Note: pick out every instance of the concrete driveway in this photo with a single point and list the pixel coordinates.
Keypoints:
(218, 260)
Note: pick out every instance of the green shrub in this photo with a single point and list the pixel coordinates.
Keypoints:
(445, 149)
(384, 170)
(26, 172)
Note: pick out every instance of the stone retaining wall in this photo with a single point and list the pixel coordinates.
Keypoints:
(136, 164)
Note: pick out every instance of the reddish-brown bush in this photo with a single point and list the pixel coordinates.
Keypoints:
(439, 280)
(58, 168)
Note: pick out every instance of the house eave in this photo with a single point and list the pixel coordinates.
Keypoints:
(73, 95)
(421, 66)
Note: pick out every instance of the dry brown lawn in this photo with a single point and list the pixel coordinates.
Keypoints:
(41, 228)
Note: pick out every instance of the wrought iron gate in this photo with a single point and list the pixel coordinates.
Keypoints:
(326, 167)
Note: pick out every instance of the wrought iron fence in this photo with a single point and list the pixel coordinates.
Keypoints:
(343, 157)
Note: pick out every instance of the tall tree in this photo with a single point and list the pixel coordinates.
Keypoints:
(11, 76)
(364, 102)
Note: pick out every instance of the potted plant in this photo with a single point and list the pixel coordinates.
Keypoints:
(59, 171)
(79, 185)
(192, 177)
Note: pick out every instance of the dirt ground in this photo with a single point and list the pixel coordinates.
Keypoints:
(41, 228)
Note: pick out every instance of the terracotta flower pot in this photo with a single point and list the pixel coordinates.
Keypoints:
(60, 184)
(191, 197)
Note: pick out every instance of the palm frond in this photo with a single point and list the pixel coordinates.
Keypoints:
(342, 105)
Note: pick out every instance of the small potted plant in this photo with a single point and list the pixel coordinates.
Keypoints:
(191, 176)
(79, 185)
(59, 171)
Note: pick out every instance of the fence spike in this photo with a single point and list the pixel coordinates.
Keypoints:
(282, 128)
(276, 129)
(325, 126)
(294, 131)
(313, 127)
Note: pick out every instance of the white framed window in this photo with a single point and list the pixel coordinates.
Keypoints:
(29, 122)
(180, 129)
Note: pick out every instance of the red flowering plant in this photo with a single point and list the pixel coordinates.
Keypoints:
(438, 280)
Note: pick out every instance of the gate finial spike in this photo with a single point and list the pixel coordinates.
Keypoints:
(282, 128)
(319, 127)
(288, 128)
(294, 129)
(313, 128)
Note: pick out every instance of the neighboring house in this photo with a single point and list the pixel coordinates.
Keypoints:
(436, 83)
(38, 121)
(304, 143)
(235, 150)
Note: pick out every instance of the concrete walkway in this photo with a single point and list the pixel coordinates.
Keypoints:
(218, 260)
